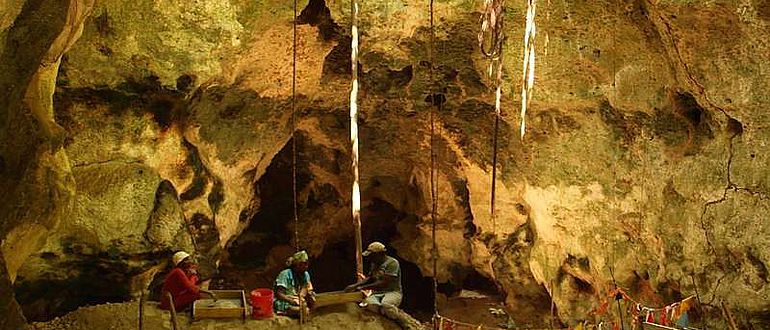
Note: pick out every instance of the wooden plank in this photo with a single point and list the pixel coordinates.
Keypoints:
(227, 294)
(207, 308)
(337, 297)
(243, 301)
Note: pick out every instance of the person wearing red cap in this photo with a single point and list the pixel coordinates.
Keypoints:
(182, 283)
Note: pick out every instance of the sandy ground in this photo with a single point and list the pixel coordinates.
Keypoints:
(125, 316)
(473, 309)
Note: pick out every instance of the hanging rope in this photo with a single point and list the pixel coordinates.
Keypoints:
(614, 196)
(294, 128)
(494, 152)
(356, 195)
(528, 78)
(491, 45)
(617, 298)
(294, 151)
(433, 176)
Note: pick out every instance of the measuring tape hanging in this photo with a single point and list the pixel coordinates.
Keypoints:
(491, 37)
(528, 74)
(356, 194)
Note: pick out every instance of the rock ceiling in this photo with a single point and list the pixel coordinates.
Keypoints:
(132, 129)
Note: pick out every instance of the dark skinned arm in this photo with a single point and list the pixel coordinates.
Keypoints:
(282, 295)
(191, 281)
(213, 296)
(381, 284)
(359, 284)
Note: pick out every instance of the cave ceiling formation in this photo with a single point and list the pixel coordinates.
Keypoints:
(133, 129)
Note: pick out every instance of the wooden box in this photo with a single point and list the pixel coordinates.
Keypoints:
(337, 297)
(229, 304)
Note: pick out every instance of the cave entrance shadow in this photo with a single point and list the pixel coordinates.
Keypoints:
(380, 224)
(248, 265)
(334, 269)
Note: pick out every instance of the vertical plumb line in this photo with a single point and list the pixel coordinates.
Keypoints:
(620, 312)
(294, 128)
(498, 96)
(495, 22)
(294, 150)
(356, 195)
(433, 176)
(615, 173)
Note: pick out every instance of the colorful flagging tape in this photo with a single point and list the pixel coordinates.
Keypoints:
(672, 315)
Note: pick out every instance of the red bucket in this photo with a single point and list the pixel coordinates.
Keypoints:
(262, 303)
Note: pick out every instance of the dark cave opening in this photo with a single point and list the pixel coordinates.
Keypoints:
(418, 291)
(380, 224)
(318, 14)
(257, 255)
(269, 227)
(334, 269)
(466, 278)
(686, 105)
(338, 61)
(90, 280)
(478, 282)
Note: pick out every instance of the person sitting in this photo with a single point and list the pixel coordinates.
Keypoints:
(384, 279)
(291, 284)
(182, 283)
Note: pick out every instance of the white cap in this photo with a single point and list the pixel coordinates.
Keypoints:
(179, 257)
(374, 248)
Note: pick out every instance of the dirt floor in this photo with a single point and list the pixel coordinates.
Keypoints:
(470, 307)
(475, 308)
(125, 316)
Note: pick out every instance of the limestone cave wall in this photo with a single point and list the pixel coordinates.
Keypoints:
(132, 130)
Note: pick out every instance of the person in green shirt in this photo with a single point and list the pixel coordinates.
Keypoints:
(291, 284)
(384, 280)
